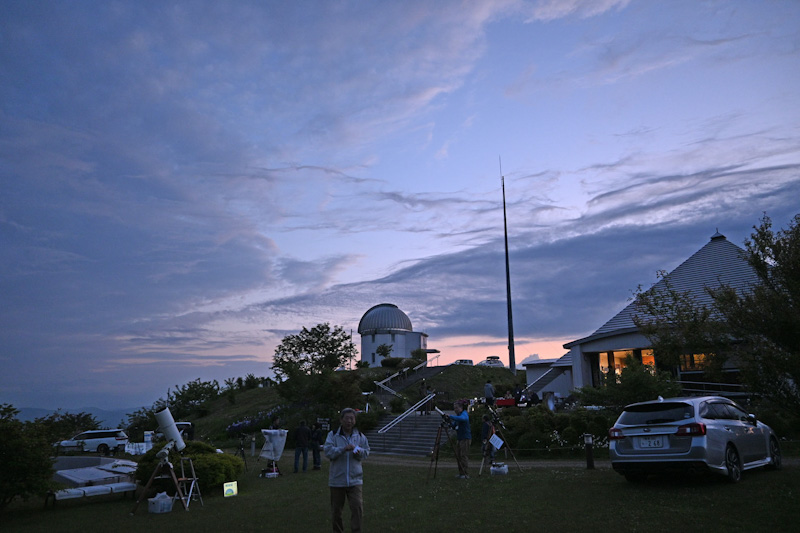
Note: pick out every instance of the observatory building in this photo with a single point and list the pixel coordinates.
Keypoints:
(387, 324)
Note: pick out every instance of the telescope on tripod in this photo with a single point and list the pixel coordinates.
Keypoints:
(187, 485)
(498, 439)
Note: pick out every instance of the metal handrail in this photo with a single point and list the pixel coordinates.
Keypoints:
(412, 409)
(387, 389)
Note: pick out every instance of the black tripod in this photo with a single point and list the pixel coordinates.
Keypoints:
(498, 424)
(444, 428)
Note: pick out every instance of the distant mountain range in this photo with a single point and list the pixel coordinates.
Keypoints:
(107, 418)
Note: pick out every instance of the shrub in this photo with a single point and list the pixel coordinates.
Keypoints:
(391, 362)
(25, 465)
(211, 468)
(635, 383)
(398, 405)
(367, 421)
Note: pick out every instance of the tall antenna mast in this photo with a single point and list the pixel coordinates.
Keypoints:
(512, 363)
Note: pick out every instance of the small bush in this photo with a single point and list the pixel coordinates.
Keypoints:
(211, 468)
(25, 465)
(367, 421)
(391, 362)
(398, 405)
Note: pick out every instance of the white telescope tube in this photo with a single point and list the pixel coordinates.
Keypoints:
(167, 426)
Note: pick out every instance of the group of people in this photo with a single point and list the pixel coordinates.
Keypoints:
(346, 448)
(305, 438)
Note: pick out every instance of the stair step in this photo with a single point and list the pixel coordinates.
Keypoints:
(415, 435)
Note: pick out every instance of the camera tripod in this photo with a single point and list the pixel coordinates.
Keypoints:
(498, 424)
(444, 427)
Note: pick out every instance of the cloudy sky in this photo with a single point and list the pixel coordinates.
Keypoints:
(184, 183)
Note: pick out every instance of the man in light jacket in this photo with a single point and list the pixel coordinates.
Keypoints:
(346, 448)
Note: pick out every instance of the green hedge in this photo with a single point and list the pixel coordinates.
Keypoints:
(212, 468)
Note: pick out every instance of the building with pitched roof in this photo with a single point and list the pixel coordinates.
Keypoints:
(590, 358)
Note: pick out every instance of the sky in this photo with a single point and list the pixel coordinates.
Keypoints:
(182, 184)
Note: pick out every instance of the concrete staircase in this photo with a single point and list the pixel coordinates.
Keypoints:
(415, 435)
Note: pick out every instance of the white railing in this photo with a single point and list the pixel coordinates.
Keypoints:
(412, 409)
(387, 389)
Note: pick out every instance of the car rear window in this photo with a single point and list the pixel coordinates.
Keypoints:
(655, 413)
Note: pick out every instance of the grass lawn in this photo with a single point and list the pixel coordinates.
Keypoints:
(401, 497)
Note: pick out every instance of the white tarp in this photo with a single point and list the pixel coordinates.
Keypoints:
(275, 441)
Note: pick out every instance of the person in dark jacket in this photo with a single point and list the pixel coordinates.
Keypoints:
(302, 437)
(346, 448)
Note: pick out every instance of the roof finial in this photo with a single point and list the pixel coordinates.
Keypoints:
(717, 235)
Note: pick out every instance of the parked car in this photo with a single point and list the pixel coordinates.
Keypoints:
(467, 362)
(708, 433)
(492, 360)
(99, 440)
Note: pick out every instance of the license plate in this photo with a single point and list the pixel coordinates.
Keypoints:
(651, 442)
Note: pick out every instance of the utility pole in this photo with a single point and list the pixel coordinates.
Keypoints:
(512, 363)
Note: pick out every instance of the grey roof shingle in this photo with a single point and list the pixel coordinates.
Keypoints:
(718, 262)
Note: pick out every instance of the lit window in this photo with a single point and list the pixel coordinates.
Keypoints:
(648, 358)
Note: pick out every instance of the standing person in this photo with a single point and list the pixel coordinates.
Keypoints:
(489, 392)
(316, 442)
(429, 405)
(487, 430)
(517, 393)
(302, 436)
(460, 421)
(346, 448)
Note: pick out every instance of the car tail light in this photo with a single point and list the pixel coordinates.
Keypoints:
(694, 429)
(615, 434)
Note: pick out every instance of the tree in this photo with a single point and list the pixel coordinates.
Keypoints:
(304, 363)
(191, 398)
(25, 465)
(766, 320)
(312, 351)
(60, 426)
(384, 350)
(419, 354)
(676, 325)
(144, 419)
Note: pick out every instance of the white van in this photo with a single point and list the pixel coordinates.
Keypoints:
(97, 440)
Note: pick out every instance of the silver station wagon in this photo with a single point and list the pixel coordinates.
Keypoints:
(690, 434)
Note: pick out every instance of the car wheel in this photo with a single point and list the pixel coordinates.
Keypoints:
(102, 449)
(776, 460)
(733, 464)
